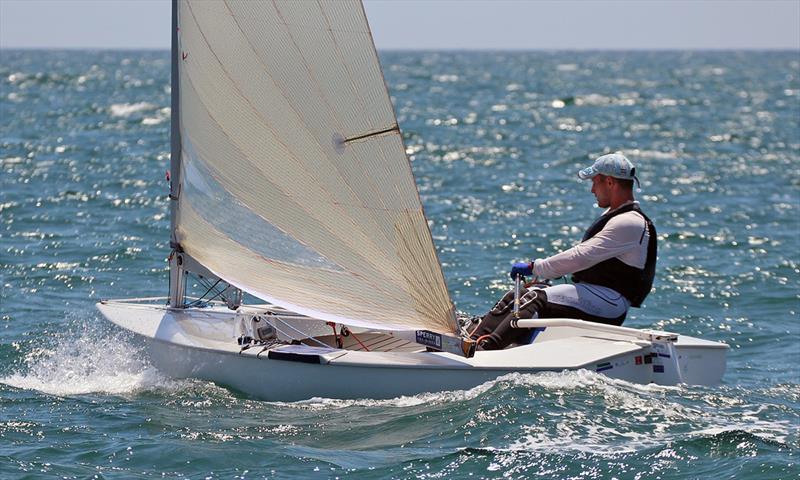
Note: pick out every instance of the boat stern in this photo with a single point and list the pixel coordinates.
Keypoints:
(701, 362)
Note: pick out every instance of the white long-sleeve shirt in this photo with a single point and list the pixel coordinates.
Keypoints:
(625, 237)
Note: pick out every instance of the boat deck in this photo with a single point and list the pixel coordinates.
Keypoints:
(366, 342)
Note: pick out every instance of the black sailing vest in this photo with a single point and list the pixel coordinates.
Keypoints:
(633, 283)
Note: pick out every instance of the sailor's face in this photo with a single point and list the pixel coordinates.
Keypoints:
(601, 189)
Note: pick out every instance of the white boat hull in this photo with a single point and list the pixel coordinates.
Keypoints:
(201, 343)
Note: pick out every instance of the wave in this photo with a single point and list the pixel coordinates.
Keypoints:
(571, 413)
(87, 360)
(577, 412)
(128, 109)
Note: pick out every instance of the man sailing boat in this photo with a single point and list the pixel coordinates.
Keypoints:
(612, 267)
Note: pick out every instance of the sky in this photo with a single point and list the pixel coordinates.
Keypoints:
(439, 24)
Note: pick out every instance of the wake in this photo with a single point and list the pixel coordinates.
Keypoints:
(88, 359)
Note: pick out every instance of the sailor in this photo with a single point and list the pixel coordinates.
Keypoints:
(612, 267)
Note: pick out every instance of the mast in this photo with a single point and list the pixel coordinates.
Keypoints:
(177, 276)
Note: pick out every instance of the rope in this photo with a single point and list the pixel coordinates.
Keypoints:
(296, 330)
(336, 338)
(474, 329)
(350, 332)
(197, 302)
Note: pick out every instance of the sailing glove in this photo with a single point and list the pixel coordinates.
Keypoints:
(524, 269)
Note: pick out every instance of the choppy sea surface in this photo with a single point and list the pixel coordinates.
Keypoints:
(495, 140)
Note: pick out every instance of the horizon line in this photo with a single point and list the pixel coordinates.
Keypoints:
(449, 49)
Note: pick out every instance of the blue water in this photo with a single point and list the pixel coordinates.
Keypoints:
(495, 140)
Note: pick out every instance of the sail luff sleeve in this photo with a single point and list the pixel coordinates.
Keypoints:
(175, 130)
(176, 284)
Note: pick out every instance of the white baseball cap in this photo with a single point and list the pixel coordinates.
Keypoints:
(612, 165)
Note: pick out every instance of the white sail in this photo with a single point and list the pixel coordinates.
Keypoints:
(295, 186)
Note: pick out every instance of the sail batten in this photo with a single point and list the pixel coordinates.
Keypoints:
(297, 187)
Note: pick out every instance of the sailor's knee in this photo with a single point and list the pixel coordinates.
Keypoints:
(533, 303)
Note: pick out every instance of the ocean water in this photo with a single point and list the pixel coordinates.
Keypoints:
(495, 140)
